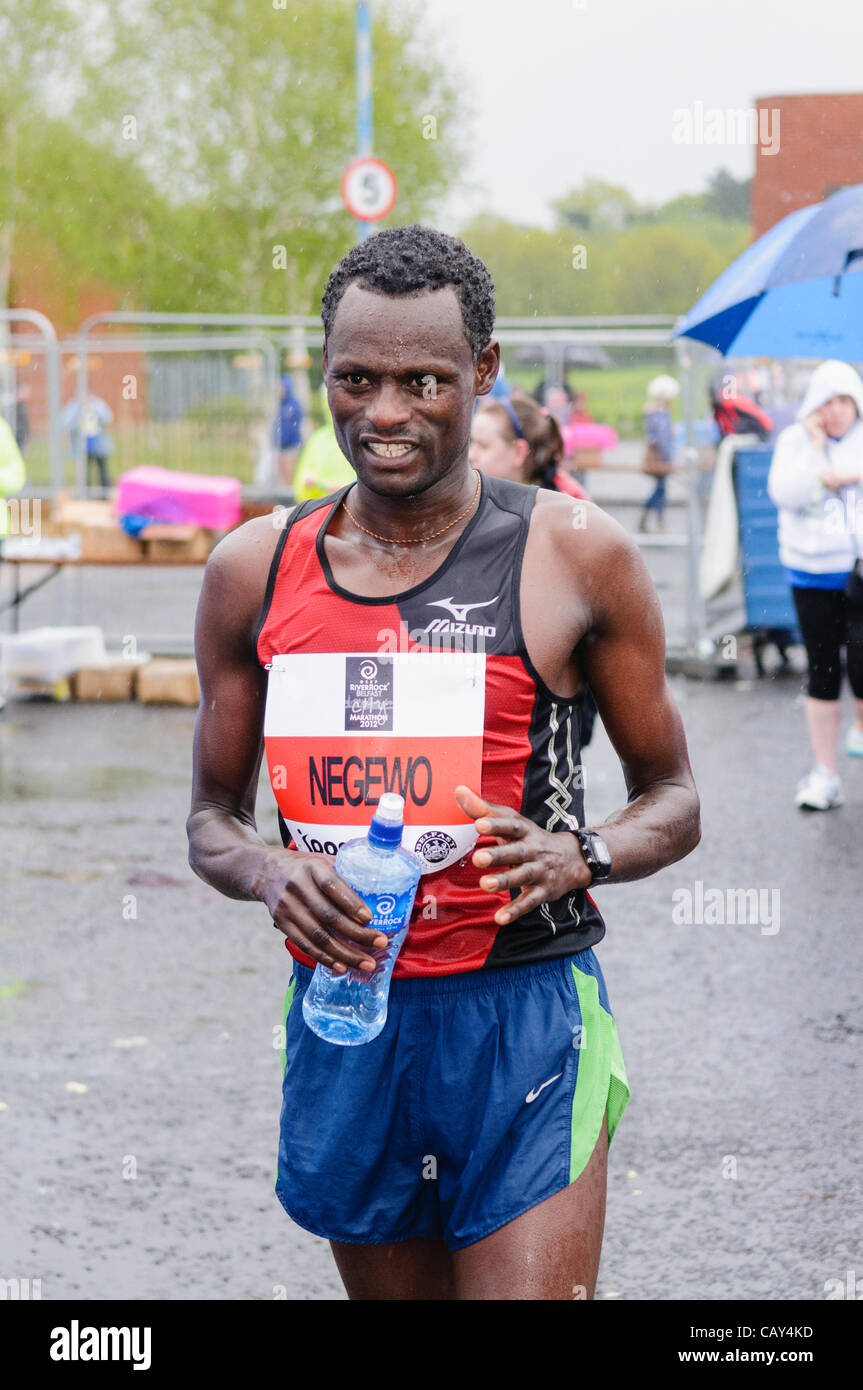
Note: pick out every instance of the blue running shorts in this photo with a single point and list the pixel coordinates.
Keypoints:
(483, 1095)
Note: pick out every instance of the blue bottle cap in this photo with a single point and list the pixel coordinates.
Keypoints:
(388, 821)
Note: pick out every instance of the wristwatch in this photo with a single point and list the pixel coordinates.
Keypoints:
(596, 854)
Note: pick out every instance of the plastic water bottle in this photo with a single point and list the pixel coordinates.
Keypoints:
(352, 1008)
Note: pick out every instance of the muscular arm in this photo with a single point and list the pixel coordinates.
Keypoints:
(622, 658)
(307, 901)
(225, 849)
(602, 589)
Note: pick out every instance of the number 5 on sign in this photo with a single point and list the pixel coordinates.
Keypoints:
(369, 189)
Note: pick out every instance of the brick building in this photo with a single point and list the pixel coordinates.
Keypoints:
(820, 151)
(38, 281)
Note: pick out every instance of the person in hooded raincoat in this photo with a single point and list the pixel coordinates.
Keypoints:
(815, 481)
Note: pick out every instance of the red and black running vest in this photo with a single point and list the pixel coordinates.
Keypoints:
(416, 693)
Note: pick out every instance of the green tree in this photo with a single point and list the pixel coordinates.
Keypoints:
(72, 209)
(243, 118)
(728, 197)
(725, 199)
(659, 269)
(86, 216)
(596, 207)
(648, 268)
(170, 150)
(32, 45)
(531, 268)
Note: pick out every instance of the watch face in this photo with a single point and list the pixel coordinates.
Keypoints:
(596, 855)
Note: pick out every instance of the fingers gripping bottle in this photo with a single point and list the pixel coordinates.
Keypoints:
(352, 1008)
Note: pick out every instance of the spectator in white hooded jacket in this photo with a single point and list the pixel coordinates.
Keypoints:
(815, 481)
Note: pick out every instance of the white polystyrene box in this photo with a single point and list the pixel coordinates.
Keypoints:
(50, 654)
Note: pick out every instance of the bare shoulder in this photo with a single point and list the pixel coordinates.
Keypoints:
(245, 553)
(235, 579)
(585, 542)
(251, 545)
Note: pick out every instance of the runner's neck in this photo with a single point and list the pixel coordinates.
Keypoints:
(362, 568)
(431, 518)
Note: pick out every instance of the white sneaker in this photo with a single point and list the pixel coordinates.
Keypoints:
(819, 791)
(854, 742)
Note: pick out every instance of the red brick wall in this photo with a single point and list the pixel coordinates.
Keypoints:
(820, 150)
(37, 282)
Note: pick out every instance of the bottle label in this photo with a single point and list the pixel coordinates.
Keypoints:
(390, 911)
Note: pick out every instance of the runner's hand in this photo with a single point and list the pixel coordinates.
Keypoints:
(319, 913)
(545, 866)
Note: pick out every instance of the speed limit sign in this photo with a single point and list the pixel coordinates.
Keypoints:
(368, 189)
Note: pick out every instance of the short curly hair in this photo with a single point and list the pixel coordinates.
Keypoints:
(408, 260)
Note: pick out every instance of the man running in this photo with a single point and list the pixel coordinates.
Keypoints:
(429, 630)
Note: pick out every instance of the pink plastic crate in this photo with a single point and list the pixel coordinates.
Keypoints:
(191, 499)
(588, 435)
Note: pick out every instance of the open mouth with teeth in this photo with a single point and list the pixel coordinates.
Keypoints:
(390, 451)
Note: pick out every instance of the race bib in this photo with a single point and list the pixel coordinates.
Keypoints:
(341, 729)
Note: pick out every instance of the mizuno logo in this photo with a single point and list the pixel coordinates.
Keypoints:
(532, 1095)
(459, 611)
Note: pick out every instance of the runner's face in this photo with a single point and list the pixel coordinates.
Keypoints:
(400, 376)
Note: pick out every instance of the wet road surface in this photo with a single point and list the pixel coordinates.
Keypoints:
(735, 1172)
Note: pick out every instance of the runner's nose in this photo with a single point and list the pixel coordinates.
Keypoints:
(390, 409)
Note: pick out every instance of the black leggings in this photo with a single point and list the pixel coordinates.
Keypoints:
(828, 621)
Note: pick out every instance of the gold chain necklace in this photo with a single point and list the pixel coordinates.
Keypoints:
(416, 540)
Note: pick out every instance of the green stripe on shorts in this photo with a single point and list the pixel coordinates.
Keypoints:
(289, 999)
(601, 1083)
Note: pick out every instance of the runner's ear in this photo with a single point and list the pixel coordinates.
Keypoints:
(486, 368)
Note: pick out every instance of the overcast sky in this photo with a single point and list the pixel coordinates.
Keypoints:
(568, 89)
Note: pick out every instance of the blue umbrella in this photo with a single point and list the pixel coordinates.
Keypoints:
(797, 292)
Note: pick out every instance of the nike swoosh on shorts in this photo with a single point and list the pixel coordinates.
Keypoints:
(532, 1095)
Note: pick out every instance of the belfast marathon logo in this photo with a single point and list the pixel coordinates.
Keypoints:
(368, 692)
(435, 846)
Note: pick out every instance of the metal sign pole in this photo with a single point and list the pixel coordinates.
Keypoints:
(365, 116)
